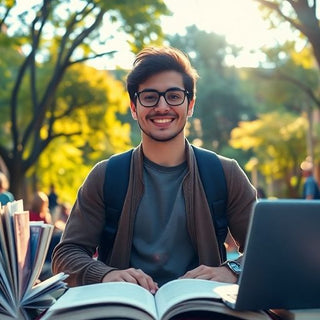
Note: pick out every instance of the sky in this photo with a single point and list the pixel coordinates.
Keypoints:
(239, 21)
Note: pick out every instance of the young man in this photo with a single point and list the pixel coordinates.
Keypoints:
(166, 230)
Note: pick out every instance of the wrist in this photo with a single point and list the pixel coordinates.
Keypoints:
(233, 266)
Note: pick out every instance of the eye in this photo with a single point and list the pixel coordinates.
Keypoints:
(174, 95)
(149, 96)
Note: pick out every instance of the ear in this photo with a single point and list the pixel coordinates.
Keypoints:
(133, 110)
(191, 107)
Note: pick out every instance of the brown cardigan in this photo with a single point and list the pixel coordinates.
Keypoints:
(87, 219)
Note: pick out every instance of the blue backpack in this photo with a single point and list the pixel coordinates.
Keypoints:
(116, 185)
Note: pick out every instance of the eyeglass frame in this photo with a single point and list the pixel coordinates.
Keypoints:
(163, 94)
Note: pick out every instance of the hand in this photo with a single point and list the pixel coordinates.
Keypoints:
(132, 275)
(221, 274)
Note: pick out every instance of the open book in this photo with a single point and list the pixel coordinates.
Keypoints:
(23, 249)
(116, 300)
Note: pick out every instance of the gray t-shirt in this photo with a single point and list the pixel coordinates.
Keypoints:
(162, 246)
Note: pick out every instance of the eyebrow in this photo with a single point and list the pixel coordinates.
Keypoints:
(152, 89)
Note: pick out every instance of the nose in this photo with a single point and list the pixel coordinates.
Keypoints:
(162, 103)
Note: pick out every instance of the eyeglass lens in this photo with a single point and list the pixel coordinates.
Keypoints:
(173, 97)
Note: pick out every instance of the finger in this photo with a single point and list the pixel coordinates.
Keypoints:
(201, 272)
(118, 276)
(191, 274)
(145, 280)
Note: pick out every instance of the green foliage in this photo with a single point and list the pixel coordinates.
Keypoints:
(222, 99)
(49, 97)
(136, 16)
(63, 165)
(278, 141)
(291, 80)
(86, 127)
(301, 15)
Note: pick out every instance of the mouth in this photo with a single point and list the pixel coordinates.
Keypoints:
(162, 121)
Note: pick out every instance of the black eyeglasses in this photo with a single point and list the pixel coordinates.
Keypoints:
(173, 96)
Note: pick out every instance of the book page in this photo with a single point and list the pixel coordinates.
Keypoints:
(44, 293)
(10, 245)
(22, 240)
(7, 300)
(5, 260)
(102, 295)
(40, 237)
(180, 290)
(93, 312)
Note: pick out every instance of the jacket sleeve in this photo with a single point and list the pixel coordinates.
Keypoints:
(74, 255)
(241, 198)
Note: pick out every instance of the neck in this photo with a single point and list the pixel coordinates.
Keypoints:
(169, 153)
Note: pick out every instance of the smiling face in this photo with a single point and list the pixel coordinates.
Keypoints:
(162, 122)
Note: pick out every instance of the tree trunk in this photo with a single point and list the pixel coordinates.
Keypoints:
(17, 180)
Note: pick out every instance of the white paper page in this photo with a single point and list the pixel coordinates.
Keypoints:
(6, 289)
(39, 253)
(104, 294)
(10, 245)
(22, 239)
(180, 290)
(5, 260)
(43, 287)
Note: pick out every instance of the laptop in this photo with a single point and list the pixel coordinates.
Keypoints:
(281, 264)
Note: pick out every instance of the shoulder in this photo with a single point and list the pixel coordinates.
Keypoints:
(311, 179)
(236, 177)
(96, 175)
(98, 170)
(6, 197)
(229, 165)
(93, 182)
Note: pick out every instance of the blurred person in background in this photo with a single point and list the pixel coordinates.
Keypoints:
(39, 208)
(5, 195)
(63, 212)
(53, 202)
(310, 186)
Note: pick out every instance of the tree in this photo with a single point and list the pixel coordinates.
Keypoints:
(68, 159)
(291, 73)
(278, 141)
(221, 98)
(61, 35)
(301, 14)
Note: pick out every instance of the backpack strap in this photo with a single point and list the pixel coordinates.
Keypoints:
(114, 191)
(116, 180)
(215, 187)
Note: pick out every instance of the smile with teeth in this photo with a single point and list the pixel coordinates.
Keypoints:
(162, 120)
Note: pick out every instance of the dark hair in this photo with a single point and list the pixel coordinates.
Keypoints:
(153, 60)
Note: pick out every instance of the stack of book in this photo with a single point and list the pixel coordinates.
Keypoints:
(23, 248)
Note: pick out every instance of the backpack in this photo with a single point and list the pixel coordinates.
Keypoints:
(116, 185)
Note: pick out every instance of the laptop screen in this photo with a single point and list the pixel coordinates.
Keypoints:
(281, 266)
